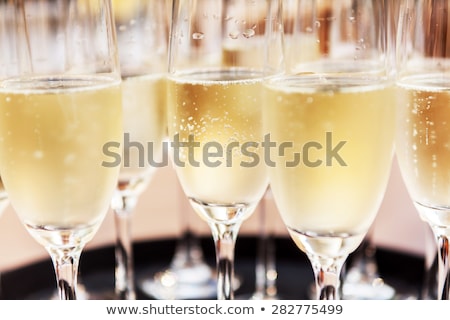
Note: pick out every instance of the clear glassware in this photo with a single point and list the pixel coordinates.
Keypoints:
(142, 40)
(266, 272)
(429, 288)
(141, 28)
(422, 139)
(188, 276)
(61, 123)
(214, 120)
(330, 116)
(361, 279)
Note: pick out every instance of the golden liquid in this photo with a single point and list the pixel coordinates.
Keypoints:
(423, 141)
(217, 108)
(327, 196)
(51, 153)
(144, 114)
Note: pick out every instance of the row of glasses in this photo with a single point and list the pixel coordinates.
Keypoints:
(326, 116)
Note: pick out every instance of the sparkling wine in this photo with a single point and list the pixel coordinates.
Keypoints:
(221, 111)
(145, 127)
(52, 139)
(329, 178)
(423, 143)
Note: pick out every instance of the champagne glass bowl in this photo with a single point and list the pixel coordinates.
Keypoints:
(330, 117)
(214, 109)
(423, 131)
(60, 104)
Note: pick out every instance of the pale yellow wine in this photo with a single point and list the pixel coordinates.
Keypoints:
(221, 112)
(145, 124)
(331, 181)
(423, 143)
(52, 138)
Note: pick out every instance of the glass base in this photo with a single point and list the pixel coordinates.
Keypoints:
(258, 296)
(82, 294)
(195, 282)
(376, 290)
(198, 281)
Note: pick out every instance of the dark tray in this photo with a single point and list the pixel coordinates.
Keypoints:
(402, 271)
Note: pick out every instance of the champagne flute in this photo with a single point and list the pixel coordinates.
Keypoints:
(60, 123)
(214, 117)
(142, 40)
(330, 118)
(188, 276)
(423, 101)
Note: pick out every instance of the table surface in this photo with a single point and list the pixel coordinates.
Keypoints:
(36, 281)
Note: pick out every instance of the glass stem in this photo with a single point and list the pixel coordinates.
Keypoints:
(442, 238)
(225, 242)
(124, 274)
(65, 262)
(327, 273)
(270, 276)
(265, 271)
(188, 251)
(261, 267)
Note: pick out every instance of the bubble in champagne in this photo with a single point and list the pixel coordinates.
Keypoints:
(248, 33)
(198, 35)
(234, 34)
